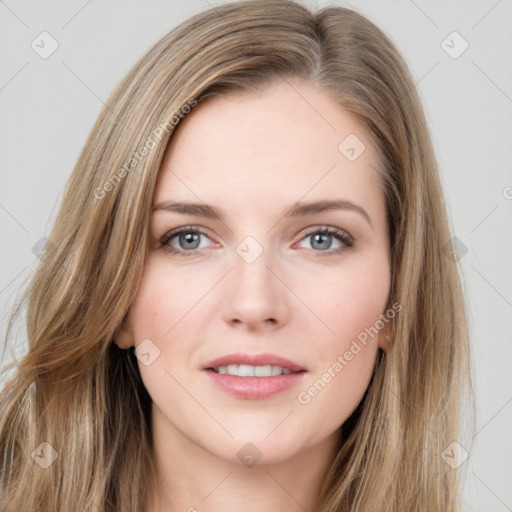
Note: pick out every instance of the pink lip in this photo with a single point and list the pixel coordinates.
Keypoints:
(254, 360)
(254, 387)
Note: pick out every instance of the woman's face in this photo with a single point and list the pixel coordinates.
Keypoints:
(255, 284)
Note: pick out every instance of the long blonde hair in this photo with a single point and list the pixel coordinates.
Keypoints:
(75, 426)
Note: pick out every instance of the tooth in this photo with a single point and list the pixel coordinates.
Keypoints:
(276, 370)
(232, 369)
(263, 371)
(245, 370)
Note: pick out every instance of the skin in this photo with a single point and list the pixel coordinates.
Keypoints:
(254, 156)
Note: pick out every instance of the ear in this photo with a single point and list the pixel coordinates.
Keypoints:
(384, 342)
(123, 337)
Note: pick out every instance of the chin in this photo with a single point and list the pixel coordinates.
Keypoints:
(257, 447)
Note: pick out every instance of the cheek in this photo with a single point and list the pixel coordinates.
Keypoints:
(360, 302)
(162, 302)
(163, 312)
(345, 355)
(159, 314)
(334, 394)
(344, 361)
(348, 303)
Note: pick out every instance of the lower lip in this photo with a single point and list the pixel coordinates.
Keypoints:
(254, 387)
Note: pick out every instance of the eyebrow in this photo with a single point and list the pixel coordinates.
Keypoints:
(297, 210)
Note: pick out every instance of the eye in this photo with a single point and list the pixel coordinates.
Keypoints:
(322, 240)
(187, 237)
(188, 240)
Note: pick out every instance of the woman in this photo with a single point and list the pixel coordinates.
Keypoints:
(267, 373)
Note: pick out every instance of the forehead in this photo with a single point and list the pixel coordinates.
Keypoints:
(286, 143)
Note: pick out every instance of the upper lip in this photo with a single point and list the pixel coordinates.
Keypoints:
(254, 360)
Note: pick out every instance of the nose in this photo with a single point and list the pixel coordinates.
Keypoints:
(254, 296)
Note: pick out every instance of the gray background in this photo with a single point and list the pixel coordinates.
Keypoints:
(48, 106)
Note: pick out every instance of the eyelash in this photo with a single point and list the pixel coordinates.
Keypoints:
(340, 235)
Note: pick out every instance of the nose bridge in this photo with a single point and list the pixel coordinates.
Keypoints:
(251, 261)
(253, 291)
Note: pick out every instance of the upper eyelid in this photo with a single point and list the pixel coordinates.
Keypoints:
(174, 232)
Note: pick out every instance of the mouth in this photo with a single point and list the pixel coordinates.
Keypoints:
(254, 376)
